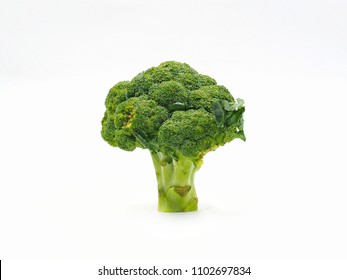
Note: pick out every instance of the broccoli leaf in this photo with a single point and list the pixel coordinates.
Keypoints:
(151, 145)
(177, 106)
(141, 139)
(218, 113)
(234, 117)
(233, 106)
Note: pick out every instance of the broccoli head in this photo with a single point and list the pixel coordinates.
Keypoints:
(177, 114)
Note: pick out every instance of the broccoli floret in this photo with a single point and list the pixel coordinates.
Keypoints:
(169, 93)
(206, 96)
(139, 118)
(117, 95)
(142, 82)
(190, 133)
(206, 80)
(177, 114)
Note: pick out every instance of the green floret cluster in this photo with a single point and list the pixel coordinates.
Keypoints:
(178, 115)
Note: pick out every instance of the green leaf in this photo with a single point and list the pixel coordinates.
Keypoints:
(142, 140)
(234, 118)
(238, 104)
(151, 145)
(177, 106)
(227, 106)
(241, 135)
(218, 113)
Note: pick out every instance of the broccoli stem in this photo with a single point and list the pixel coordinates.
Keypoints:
(176, 189)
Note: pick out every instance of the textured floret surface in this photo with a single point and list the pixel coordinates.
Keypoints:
(174, 110)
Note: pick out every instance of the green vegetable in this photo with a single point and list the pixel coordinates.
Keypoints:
(177, 114)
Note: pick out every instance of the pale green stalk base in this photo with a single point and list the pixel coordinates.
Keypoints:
(176, 188)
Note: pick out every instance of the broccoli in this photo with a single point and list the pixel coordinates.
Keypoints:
(177, 114)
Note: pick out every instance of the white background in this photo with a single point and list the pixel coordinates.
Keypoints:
(66, 194)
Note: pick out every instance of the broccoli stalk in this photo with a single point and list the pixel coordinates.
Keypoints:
(175, 177)
(177, 114)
